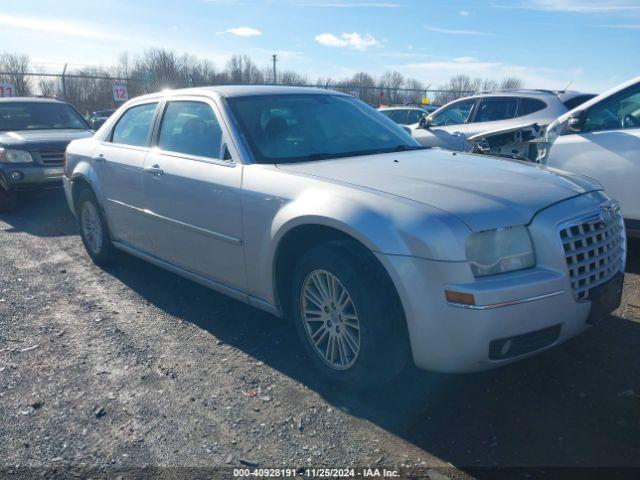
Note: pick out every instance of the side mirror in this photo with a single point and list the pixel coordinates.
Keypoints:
(575, 124)
(425, 121)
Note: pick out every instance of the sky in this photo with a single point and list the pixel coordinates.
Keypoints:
(584, 44)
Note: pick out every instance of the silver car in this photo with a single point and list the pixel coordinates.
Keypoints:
(450, 126)
(310, 204)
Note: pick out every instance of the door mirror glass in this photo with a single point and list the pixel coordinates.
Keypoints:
(574, 124)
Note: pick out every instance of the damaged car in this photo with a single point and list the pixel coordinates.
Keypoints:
(499, 123)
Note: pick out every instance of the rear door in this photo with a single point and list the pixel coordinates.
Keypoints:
(193, 193)
(607, 149)
(118, 163)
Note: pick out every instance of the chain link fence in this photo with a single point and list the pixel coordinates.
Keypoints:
(89, 93)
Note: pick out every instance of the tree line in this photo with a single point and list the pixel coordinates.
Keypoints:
(90, 88)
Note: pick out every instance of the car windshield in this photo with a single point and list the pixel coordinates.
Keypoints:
(39, 116)
(307, 127)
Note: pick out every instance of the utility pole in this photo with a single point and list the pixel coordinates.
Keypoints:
(274, 58)
(64, 82)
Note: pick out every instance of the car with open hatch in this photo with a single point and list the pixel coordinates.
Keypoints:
(34, 133)
(311, 205)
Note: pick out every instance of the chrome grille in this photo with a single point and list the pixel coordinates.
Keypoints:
(52, 157)
(594, 249)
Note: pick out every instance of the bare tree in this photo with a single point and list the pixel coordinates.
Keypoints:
(242, 70)
(16, 67)
(389, 83)
(511, 83)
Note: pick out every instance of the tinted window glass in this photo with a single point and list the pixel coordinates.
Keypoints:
(531, 105)
(415, 116)
(492, 110)
(309, 127)
(39, 116)
(191, 128)
(453, 115)
(133, 127)
(621, 111)
(398, 116)
(575, 101)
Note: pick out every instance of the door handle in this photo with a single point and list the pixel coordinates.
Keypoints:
(99, 158)
(153, 169)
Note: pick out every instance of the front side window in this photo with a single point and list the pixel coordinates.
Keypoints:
(621, 111)
(190, 128)
(308, 127)
(496, 109)
(415, 116)
(134, 125)
(453, 115)
(16, 116)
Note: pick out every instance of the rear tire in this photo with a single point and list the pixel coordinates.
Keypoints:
(348, 316)
(8, 201)
(93, 229)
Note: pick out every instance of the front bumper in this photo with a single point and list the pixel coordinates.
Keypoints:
(15, 177)
(535, 308)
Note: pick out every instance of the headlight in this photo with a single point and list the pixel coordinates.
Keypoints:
(499, 251)
(14, 156)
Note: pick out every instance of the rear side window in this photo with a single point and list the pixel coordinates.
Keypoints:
(134, 125)
(531, 105)
(495, 109)
(576, 101)
(190, 128)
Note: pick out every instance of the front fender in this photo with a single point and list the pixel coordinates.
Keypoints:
(383, 224)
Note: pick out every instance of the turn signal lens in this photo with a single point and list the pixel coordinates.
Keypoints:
(459, 297)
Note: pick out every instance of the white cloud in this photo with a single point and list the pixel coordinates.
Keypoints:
(59, 27)
(583, 6)
(242, 31)
(464, 13)
(347, 40)
(456, 32)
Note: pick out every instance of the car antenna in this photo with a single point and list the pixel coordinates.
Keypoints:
(567, 87)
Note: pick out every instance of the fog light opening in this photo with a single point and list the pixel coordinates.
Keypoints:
(16, 176)
(506, 346)
(460, 298)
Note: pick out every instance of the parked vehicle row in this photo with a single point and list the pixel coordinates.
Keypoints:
(312, 205)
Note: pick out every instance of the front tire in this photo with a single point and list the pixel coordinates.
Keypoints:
(8, 201)
(93, 229)
(348, 316)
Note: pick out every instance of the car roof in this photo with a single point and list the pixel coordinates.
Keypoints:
(230, 91)
(562, 95)
(31, 100)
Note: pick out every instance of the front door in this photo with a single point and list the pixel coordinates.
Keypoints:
(118, 163)
(193, 194)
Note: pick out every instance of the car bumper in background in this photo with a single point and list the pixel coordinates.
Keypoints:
(29, 176)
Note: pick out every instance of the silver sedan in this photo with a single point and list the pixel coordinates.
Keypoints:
(310, 204)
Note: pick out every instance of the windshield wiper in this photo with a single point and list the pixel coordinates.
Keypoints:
(356, 153)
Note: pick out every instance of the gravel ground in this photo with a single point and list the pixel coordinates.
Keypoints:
(137, 367)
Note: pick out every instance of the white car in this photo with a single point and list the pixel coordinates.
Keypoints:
(310, 204)
(601, 139)
(452, 125)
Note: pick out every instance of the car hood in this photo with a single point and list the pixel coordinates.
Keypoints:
(27, 138)
(484, 192)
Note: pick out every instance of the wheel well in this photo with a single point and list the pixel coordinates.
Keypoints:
(300, 240)
(79, 185)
